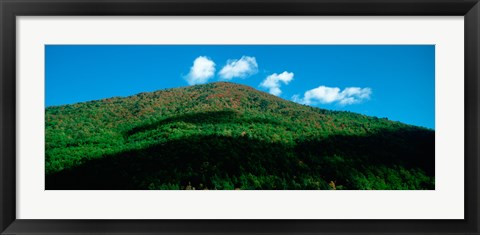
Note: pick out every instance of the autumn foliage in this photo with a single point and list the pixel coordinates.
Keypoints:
(229, 136)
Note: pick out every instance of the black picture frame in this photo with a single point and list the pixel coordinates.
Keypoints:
(9, 9)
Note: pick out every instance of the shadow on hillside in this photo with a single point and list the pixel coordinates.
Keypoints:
(214, 117)
(196, 160)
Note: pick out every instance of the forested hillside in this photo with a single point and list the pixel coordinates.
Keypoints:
(229, 136)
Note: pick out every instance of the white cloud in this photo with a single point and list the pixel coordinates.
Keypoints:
(273, 82)
(203, 69)
(328, 95)
(296, 98)
(242, 68)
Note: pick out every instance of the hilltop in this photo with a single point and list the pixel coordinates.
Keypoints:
(229, 136)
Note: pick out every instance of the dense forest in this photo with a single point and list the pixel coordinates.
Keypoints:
(229, 136)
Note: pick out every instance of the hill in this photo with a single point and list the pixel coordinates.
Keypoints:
(229, 136)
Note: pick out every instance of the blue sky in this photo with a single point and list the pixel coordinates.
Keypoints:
(393, 81)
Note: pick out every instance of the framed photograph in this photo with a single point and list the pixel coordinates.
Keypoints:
(258, 117)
